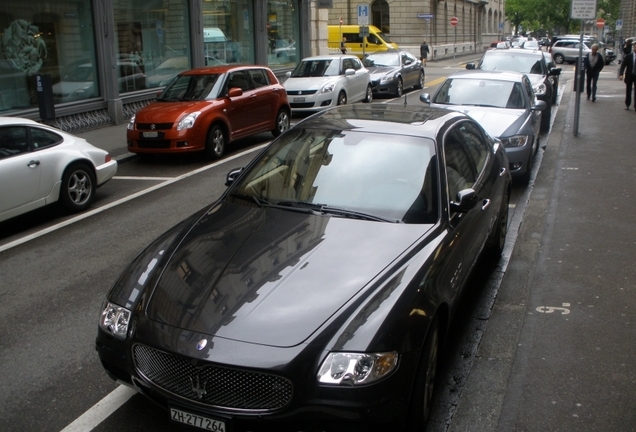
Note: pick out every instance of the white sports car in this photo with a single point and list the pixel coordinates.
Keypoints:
(40, 165)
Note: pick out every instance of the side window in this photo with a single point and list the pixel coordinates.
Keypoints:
(373, 39)
(353, 37)
(528, 90)
(347, 64)
(259, 77)
(13, 141)
(239, 79)
(460, 172)
(476, 147)
(357, 65)
(43, 138)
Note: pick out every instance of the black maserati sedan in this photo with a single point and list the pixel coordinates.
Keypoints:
(316, 293)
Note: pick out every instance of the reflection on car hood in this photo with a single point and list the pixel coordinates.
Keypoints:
(379, 71)
(168, 112)
(309, 83)
(536, 79)
(496, 121)
(270, 276)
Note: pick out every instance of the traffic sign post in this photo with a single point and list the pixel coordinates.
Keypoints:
(454, 21)
(363, 22)
(600, 23)
(427, 17)
(583, 10)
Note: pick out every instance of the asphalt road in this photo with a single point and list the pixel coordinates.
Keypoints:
(56, 270)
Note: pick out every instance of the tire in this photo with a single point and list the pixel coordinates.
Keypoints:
(78, 188)
(497, 241)
(282, 122)
(525, 178)
(421, 402)
(342, 98)
(215, 143)
(546, 115)
(399, 89)
(420, 81)
(558, 58)
(369, 95)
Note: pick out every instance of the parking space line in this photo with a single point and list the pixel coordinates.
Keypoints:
(101, 410)
(142, 178)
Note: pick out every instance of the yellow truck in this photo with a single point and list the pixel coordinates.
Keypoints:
(358, 45)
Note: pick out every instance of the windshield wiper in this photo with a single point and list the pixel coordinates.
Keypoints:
(252, 198)
(356, 214)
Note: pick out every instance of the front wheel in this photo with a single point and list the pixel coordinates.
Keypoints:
(342, 98)
(399, 88)
(215, 144)
(369, 95)
(497, 242)
(420, 81)
(78, 187)
(422, 400)
(545, 118)
(282, 122)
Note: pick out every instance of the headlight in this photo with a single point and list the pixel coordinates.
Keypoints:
(539, 89)
(328, 88)
(515, 141)
(355, 368)
(387, 78)
(115, 320)
(131, 123)
(188, 121)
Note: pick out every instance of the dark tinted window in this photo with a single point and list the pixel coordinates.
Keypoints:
(43, 138)
(13, 141)
(259, 77)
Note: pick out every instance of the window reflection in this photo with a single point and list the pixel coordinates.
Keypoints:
(282, 29)
(228, 32)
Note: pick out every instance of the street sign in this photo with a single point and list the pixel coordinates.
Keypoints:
(325, 4)
(619, 24)
(583, 9)
(425, 15)
(454, 21)
(600, 23)
(363, 15)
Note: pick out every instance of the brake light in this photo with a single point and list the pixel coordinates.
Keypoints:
(108, 158)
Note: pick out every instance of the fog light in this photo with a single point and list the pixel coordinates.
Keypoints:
(182, 144)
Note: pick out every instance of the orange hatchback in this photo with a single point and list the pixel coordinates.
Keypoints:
(205, 109)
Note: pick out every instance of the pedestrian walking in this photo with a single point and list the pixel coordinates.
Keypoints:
(593, 64)
(424, 51)
(628, 75)
(343, 45)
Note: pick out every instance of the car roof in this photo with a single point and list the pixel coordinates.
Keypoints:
(478, 74)
(533, 52)
(220, 69)
(16, 121)
(329, 57)
(394, 119)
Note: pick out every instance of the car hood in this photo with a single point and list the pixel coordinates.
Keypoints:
(536, 79)
(309, 83)
(498, 122)
(270, 276)
(378, 72)
(169, 112)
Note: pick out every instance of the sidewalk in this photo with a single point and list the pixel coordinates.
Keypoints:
(558, 353)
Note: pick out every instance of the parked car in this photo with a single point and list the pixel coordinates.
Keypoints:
(504, 104)
(544, 42)
(79, 80)
(322, 82)
(567, 50)
(205, 109)
(530, 44)
(549, 61)
(531, 62)
(316, 292)
(394, 71)
(41, 165)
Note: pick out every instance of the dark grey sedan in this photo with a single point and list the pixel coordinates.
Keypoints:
(394, 71)
(317, 291)
(505, 105)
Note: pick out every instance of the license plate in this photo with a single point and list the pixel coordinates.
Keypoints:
(151, 134)
(301, 99)
(197, 421)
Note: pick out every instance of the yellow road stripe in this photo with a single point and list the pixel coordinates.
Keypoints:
(435, 82)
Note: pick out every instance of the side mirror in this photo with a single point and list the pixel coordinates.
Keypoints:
(233, 175)
(466, 200)
(350, 72)
(425, 98)
(470, 66)
(288, 74)
(539, 105)
(555, 71)
(235, 91)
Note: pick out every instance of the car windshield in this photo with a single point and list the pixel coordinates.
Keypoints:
(317, 68)
(191, 87)
(390, 59)
(386, 177)
(508, 61)
(481, 92)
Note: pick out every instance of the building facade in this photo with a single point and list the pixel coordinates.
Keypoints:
(104, 59)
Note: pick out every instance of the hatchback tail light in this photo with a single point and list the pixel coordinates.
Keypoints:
(108, 158)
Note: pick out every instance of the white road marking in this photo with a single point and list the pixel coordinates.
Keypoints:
(141, 178)
(101, 410)
(90, 213)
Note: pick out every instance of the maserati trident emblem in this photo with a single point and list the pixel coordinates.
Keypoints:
(198, 386)
(153, 127)
(202, 343)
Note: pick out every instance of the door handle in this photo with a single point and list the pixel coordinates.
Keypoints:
(33, 163)
(486, 203)
(502, 172)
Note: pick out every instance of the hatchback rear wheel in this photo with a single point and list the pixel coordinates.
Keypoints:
(78, 187)
(282, 122)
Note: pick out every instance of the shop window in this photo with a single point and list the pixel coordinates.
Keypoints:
(152, 42)
(282, 31)
(228, 33)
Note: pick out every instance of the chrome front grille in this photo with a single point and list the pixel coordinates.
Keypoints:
(212, 385)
